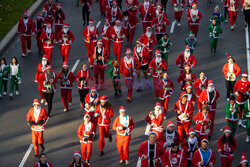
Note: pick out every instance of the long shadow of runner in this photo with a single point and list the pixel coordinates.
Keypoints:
(62, 147)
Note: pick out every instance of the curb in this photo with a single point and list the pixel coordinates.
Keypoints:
(13, 32)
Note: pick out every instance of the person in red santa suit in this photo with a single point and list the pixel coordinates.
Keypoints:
(90, 34)
(166, 88)
(104, 113)
(178, 9)
(123, 125)
(82, 77)
(232, 10)
(148, 40)
(130, 21)
(185, 58)
(128, 68)
(118, 34)
(200, 84)
(194, 16)
(66, 38)
(175, 157)
(86, 135)
(241, 89)
(25, 27)
(154, 4)
(204, 156)
(226, 146)
(146, 13)
(203, 121)
(184, 111)
(66, 79)
(36, 118)
(100, 56)
(50, 6)
(190, 93)
(47, 37)
(243, 161)
(189, 4)
(209, 97)
(155, 119)
(159, 9)
(43, 161)
(157, 66)
(38, 30)
(132, 6)
(151, 152)
(113, 14)
(186, 78)
(92, 98)
(59, 17)
(77, 160)
(106, 37)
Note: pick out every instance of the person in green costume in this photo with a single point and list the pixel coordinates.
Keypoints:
(218, 16)
(214, 32)
(163, 45)
(191, 42)
(232, 114)
(246, 115)
(115, 75)
(4, 73)
(15, 76)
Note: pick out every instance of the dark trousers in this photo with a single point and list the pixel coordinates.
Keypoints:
(83, 94)
(85, 14)
(225, 12)
(158, 37)
(229, 87)
(247, 17)
(164, 4)
(120, 4)
(49, 100)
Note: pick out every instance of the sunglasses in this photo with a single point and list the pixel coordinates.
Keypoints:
(244, 77)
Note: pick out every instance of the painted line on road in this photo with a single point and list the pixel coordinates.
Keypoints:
(172, 27)
(147, 131)
(97, 25)
(248, 52)
(26, 155)
(75, 65)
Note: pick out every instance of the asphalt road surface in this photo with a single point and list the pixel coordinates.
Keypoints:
(60, 135)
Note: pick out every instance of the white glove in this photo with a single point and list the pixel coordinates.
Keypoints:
(104, 116)
(68, 82)
(120, 128)
(96, 115)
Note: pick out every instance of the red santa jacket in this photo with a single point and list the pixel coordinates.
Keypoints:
(235, 70)
(48, 19)
(131, 22)
(132, 6)
(104, 115)
(47, 163)
(200, 85)
(47, 39)
(146, 14)
(226, 149)
(242, 3)
(141, 54)
(83, 84)
(157, 67)
(156, 122)
(194, 17)
(232, 5)
(166, 88)
(89, 99)
(186, 108)
(144, 150)
(84, 131)
(66, 81)
(66, 39)
(90, 34)
(186, 78)
(104, 56)
(88, 3)
(178, 159)
(40, 70)
(198, 158)
(241, 87)
(181, 3)
(117, 33)
(44, 81)
(202, 128)
(106, 32)
(181, 61)
(42, 115)
(168, 138)
(148, 41)
(128, 67)
(26, 29)
(126, 123)
(204, 97)
(50, 8)
(59, 17)
(159, 24)
(113, 14)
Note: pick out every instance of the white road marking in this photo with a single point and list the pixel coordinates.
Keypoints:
(172, 27)
(75, 65)
(248, 52)
(147, 129)
(26, 155)
(97, 25)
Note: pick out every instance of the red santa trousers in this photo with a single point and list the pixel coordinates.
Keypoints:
(183, 129)
(40, 91)
(232, 16)
(212, 122)
(66, 97)
(122, 143)
(103, 133)
(25, 42)
(48, 52)
(226, 161)
(39, 43)
(130, 32)
(145, 25)
(194, 29)
(65, 52)
(150, 55)
(106, 44)
(129, 85)
(199, 104)
(99, 74)
(117, 51)
(177, 15)
(164, 103)
(90, 48)
(37, 138)
(156, 83)
(86, 149)
(102, 6)
(58, 28)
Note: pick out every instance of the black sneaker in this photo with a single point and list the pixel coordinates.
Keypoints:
(102, 153)
(110, 138)
(42, 148)
(120, 91)
(36, 156)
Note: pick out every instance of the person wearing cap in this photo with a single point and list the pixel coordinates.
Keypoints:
(200, 84)
(150, 152)
(48, 80)
(40, 70)
(194, 16)
(104, 113)
(130, 22)
(90, 33)
(113, 13)
(186, 78)
(128, 67)
(164, 45)
(184, 111)
(166, 89)
(93, 97)
(43, 161)
(232, 10)
(214, 31)
(146, 13)
(191, 42)
(15, 76)
(190, 145)
(175, 156)
(203, 121)
(47, 37)
(100, 56)
(4, 76)
(247, 117)
(77, 160)
(132, 6)
(246, 11)
(209, 97)
(115, 75)
(38, 30)
(189, 4)
(59, 17)
(185, 58)
(36, 118)
(217, 16)
(226, 146)
(50, 6)
(86, 134)
(157, 66)
(117, 33)
(204, 156)
(241, 90)
(106, 37)
(155, 120)
(25, 27)
(243, 161)
(66, 79)
(86, 9)
(178, 9)
(123, 125)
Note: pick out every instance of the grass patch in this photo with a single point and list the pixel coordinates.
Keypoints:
(10, 13)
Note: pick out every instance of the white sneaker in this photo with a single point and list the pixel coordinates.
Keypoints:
(232, 27)
(165, 117)
(228, 99)
(70, 104)
(46, 104)
(247, 139)
(4, 93)
(240, 122)
(178, 24)
(23, 55)
(29, 51)
(10, 94)
(17, 93)
(126, 162)
(65, 110)
(42, 101)
(121, 161)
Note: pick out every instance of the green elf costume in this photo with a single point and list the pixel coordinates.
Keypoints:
(214, 32)
(15, 78)
(164, 46)
(191, 42)
(115, 75)
(4, 73)
(217, 16)
(232, 115)
(246, 116)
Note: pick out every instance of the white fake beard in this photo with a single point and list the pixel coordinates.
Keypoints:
(138, 49)
(48, 30)
(157, 111)
(91, 28)
(186, 54)
(158, 59)
(148, 34)
(36, 109)
(65, 30)
(191, 140)
(146, 4)
(44, 63)
(210, 89)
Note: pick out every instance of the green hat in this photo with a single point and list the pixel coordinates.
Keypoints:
(114, 63)
(217, 7)
(191, 34)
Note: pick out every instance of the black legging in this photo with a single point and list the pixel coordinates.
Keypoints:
(120, 4)
(49, 100)
(85, 13)
(83, 94)
(225, 12)
(229, 87)
(164, 4)
(247, 17)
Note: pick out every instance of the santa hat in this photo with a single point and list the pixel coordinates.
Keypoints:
(226, 129)
(186, 67)
(48, 67)
(44, 10)
(36, 101)
(210, 82)
(128, 50)
(93, 89)
(184, 94)
(205, 140)
(188, 86)
(114, 63)
(65, 64)
(158, 104)
(228, 56)
(159, 6)
(59, 5)
(244, 74)
(243, 158)
(118, 21)
(191, 34)
(216, 7)
(157, 52)
(122, 108)
(170, 124)
(149, 28)
(25, 12)
(39, 16)
(45, 58)
(187, 48)
(77, 153)
(86, 115)
(48, 25)
(104, 99)
(66, 25)
(114, 2)
(194, 4)
(99, 42)
(138, 42)
(191, 131)
(91, 21)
